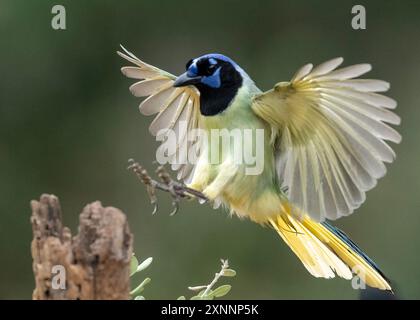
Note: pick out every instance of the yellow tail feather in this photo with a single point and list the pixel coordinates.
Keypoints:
(326, 251)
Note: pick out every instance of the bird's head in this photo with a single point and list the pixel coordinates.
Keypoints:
(217, 77)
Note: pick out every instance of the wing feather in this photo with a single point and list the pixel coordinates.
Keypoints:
(148, 87)
(363, 85)
(177, 109)
(138, 73)
(326, 67)
(331, 132)
(345, 73)
(154, 103)
(302, 72)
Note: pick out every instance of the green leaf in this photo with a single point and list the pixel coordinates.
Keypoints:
(208, 296)
(139, 298)
(221, 291)
(181, 298)
(196, 298)
(140, 287)
(229, 273)
(133, 265)
(201, 292)
(145, 264)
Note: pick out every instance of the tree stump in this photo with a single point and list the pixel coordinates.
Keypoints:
(93, 265)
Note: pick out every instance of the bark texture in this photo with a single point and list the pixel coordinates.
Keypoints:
(96, 261)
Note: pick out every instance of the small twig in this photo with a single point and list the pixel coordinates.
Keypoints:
(225, 265)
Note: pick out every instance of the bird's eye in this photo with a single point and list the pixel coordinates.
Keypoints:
(211, 68)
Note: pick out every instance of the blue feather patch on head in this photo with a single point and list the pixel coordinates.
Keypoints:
(220, 57)
(212, 61)
(200, 67)
(214, 80)
(193, 70)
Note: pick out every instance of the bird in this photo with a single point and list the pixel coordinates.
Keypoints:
(326, 135)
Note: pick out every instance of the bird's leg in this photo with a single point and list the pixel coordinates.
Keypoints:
(144, 177)
(176, 189)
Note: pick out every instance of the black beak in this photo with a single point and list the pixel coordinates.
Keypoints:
(185, 80)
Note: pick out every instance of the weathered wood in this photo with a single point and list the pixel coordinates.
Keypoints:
(96, 261)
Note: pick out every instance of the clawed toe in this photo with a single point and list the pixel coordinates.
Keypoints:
(176, 189)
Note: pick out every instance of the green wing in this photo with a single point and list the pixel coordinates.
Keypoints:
(329, 134)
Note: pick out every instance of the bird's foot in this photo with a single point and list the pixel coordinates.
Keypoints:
(176, 189)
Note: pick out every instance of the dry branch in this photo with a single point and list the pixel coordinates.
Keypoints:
(96, 261)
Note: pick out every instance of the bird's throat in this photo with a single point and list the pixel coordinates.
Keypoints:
(215, 101)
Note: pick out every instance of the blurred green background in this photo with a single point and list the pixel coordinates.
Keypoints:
(68, 125)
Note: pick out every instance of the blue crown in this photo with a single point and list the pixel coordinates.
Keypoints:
(219, 56)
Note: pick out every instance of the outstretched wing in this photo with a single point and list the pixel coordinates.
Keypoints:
(177, 109)
(329, 133)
